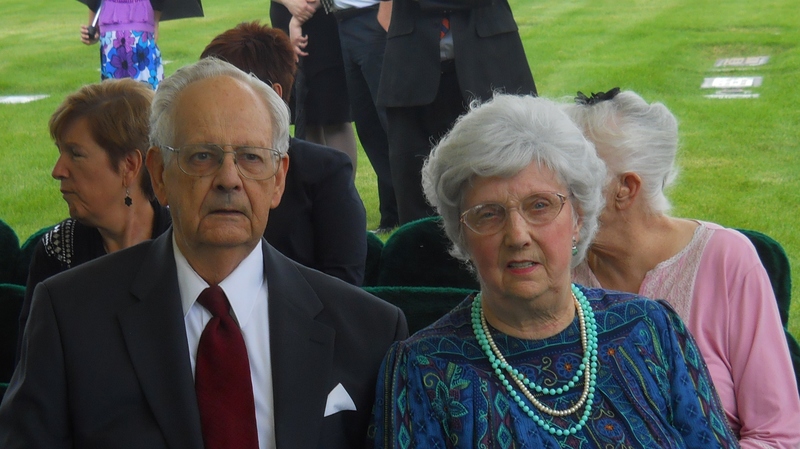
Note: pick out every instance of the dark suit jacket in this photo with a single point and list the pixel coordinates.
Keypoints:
(105, 357)
(489, 54)
(321, 221)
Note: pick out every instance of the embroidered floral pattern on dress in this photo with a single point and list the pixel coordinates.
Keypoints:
(439, 390)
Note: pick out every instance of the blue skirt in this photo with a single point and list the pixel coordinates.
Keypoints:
(130, 54)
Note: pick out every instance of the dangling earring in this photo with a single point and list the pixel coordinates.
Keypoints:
(574, 247)
(128, 200)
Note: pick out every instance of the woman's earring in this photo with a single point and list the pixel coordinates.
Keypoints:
(574, 247)
(128, 200)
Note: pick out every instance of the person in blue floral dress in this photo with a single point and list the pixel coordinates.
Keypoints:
(531, 360)
(127, 32)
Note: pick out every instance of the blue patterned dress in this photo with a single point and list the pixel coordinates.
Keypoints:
(438, 390)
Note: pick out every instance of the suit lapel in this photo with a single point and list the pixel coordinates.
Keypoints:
(155, 336)
(301, 353)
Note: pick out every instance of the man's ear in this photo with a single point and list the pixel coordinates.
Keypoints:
(155, 165)
(280, 181)
(628, 188)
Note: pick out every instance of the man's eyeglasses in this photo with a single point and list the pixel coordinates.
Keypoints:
(537, 209)
(204, 159)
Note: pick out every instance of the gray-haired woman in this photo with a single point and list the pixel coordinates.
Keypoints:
(711, 275)
(532, 359)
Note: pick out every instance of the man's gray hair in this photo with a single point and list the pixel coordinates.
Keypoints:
(502, 137)
(162, 115)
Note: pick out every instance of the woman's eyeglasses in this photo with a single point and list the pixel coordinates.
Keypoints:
(537, 209)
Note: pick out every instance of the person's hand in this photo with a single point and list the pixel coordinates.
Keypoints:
(298, 39)
(302, 9)
(86, 39)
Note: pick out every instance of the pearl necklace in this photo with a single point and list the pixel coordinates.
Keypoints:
(587, 368)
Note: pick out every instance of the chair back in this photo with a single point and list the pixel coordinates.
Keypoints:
(9, 253)
(422, 306)
(372, 267)
(11, 297)
(416, 255)
(775, 261)
(26, 254)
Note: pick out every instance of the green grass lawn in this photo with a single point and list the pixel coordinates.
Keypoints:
(738, 158)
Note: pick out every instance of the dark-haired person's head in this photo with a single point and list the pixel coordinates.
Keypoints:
(258, 49)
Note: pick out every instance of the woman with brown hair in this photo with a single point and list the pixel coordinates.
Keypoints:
(101, 132)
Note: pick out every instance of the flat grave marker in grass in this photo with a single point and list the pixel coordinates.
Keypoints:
(740, 63)
(735, 87)
(732, 87)
(729, 82)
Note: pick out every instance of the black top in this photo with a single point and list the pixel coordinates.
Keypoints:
(324, 46)
(69, 244)
(321, 222)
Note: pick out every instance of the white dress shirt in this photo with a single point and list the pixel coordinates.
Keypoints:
(246, 289)
(347, 4)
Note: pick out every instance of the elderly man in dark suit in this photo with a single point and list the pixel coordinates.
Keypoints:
(440, 55)
(207, 336)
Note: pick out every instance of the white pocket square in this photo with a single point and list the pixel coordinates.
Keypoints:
(338, 400)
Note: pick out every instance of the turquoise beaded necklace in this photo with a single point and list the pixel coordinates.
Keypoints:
(587, 369)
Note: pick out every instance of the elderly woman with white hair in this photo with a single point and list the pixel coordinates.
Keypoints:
(711, 275)
(532, 360)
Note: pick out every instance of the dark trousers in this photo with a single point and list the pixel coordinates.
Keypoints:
(363, 44)
(412, 133)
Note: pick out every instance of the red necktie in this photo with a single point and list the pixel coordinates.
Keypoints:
(444, 28)
(222, 379)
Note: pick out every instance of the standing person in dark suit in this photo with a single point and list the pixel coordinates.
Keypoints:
(321, 221)
(206, 336)
(440, 55)
(363, 42)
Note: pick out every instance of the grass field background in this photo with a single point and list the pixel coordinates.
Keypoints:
(738, 157)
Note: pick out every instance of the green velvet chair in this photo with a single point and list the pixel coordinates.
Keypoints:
(775, 261)
(26, 254)
(372, 268)
(9, 253)
(416, 255)
(421, 305)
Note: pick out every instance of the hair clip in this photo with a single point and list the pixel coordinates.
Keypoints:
(596, 97)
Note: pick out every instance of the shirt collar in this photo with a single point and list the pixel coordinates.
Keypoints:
(241, 286)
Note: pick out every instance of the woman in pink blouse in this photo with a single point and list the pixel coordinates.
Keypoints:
(711, 275)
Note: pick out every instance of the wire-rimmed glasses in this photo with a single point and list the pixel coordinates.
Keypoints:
(204, 159)
(537, 209)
